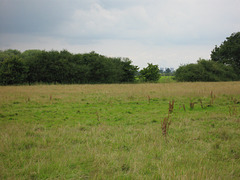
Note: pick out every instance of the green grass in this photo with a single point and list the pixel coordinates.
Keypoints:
(166, 79)
(114, 131)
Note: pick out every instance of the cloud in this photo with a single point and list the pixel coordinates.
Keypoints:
(36, 16)
(159, 22)
(173, 31)
(103, 23)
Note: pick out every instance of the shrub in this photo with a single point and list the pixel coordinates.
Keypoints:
(205, 70)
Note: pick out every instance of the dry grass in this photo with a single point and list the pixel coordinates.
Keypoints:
(71, 92)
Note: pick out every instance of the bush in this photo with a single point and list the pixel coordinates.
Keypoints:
(205, 70)
(150, 73)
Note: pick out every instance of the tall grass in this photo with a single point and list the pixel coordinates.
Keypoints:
(114, 132)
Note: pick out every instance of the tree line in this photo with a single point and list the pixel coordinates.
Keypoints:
(39, 66)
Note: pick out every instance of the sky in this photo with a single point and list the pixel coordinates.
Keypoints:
(168, 33)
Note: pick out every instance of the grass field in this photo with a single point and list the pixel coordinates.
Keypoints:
(166, 79)
(117, 131)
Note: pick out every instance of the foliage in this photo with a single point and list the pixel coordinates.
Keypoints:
(205, 70)
(12, 70)
(129, 71)
(168, 70)
(228, 52)
(8, 53)
(150, 73)
(64, 67)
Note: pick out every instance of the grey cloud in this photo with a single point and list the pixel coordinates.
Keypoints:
(159, 22)
(146, 24)
(120, 4)
(173, 21)
(36, 16)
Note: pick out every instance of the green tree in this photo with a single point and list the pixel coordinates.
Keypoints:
(12, 71)
(80, 71)
(205, 70)
(150, 73)
(9, 53)
(104, 69)
(64, 67)
(168, 71)
(30, 60)
(228, 52)
(129, 70)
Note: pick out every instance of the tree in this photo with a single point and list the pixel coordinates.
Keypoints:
(9, 53)
(129, 70)
(150, 73)
(33, 66)
(168, 71)
(205, 70)
(30, 60)
(12, 71)
(228, 52)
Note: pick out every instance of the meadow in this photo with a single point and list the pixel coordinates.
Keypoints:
(120, 131)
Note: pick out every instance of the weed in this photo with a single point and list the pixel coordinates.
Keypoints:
(213, 97)
(192, 105)
(165, 125)
(184, 107)
(200, 100)
(171, 106)
(149, 99)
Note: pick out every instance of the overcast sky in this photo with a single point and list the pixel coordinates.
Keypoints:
(164, 32)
